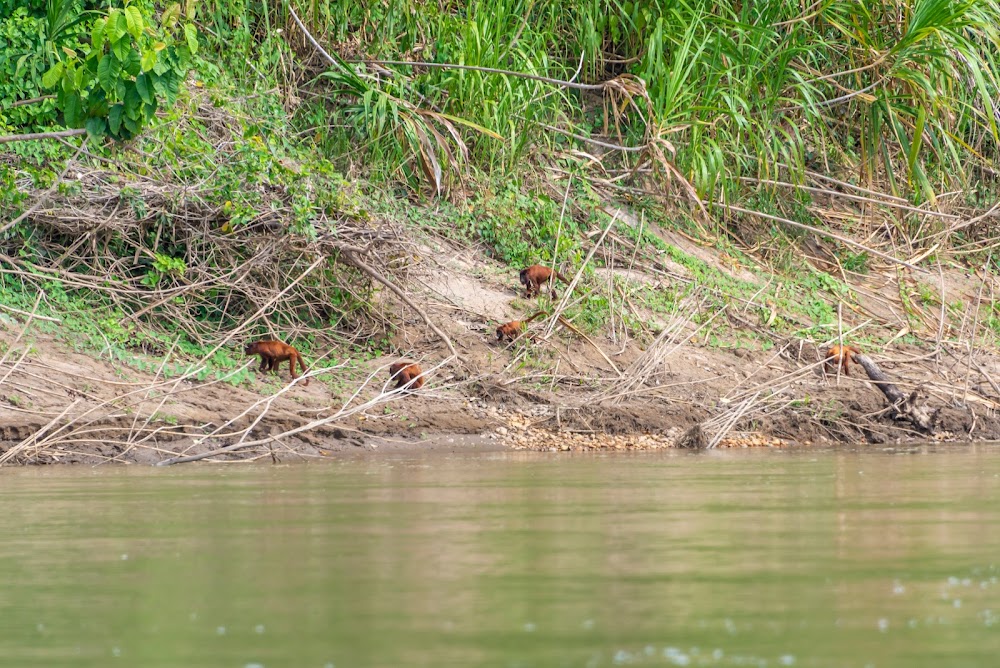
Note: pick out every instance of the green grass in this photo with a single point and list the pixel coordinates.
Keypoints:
(737, 88)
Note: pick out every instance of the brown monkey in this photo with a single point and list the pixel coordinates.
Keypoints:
(408, 373)
(840, 355)
(532, 278)
(511, 330)
(273, 353)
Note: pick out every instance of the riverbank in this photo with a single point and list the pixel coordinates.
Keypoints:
(569, 392)
(659, 341)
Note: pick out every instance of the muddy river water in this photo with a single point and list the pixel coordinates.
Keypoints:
(868, 557)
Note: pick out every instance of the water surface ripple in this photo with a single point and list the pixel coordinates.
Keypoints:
(867, 557)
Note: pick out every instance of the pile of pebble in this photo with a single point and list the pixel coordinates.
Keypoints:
(519, 434)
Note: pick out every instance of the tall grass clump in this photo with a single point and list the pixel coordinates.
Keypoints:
(902, 93)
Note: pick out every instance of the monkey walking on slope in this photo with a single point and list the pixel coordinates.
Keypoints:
(534, 276)
(511, 330)
(841, 356)
(273, 353)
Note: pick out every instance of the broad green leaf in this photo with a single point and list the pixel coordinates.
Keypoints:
(107, 72)
(170, 15)
(133, 102)
(97, 34)
(121, 26)
(96, 127)
(144, 88)
(115, 118)
(117, 26)
(131, 124)
(132, 62)
(172, 80)
(148, 61)
(192, 37)
(133, 20)
(159, 46)
(51, 78)
(97, 103)
(121, 50)
(159, 85)
(72, 110)
(190, 10)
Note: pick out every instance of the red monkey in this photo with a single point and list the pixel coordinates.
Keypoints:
(532, 278)
(511, 330)
(273, 353)
(840, 355)
(407, 373)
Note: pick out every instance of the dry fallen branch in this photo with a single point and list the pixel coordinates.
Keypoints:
(41, 199)
(352, 258)
(345, 411)
(821, 232)
(267, 268)
(873, 200)
(564, 302)
(723, 424)
(636, 377)
(902, 406)
(571, 327)
(692, 439)
(6, 139)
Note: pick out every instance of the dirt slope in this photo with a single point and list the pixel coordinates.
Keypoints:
(567, 391)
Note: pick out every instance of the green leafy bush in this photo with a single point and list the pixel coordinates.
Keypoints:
(113, 88)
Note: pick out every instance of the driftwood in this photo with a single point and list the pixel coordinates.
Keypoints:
(902, 406)
(693, 439)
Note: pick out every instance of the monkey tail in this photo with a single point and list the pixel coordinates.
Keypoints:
(302, 365)
(535, 316)
(561, 277)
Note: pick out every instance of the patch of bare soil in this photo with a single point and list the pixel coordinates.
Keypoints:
(58, 405)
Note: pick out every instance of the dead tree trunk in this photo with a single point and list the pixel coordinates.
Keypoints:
(902, 406)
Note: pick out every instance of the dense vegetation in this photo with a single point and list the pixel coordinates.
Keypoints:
(894, 89)
(680, 108)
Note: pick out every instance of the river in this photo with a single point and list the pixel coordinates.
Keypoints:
(871, 557)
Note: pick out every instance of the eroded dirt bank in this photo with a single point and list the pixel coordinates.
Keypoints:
(62, 406)
(693, 377)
